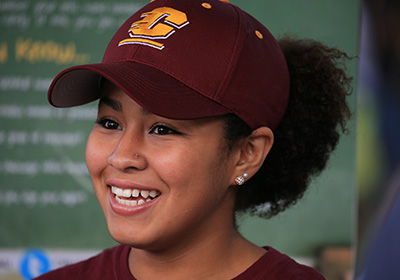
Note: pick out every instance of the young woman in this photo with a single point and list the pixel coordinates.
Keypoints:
(202, 114)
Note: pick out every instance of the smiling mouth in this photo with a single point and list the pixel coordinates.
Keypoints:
(133, 197)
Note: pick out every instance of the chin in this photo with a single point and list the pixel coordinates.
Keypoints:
(128, 236)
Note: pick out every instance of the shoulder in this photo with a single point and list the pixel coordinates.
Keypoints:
(275, 265)
(106, 265)
(286, 266)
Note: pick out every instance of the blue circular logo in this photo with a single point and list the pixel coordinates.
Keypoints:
(34, 263)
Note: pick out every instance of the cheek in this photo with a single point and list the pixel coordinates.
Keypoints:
(96, 161)
(95, 156)
(187, 166)
(175, 163)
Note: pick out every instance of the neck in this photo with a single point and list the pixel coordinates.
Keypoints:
(218, 257)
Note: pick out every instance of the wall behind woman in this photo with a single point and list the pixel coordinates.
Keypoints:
(323, 223)
(46, 198)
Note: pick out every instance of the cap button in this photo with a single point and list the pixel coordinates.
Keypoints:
(206, 5)
(258, 34)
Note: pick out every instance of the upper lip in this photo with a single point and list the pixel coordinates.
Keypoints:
(125, 184)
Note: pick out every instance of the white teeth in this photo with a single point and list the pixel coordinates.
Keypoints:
(127, 193)
(119, 192)
(126, 202)
(132, 202)
(135, 193)
(153, 194)
(145, 194)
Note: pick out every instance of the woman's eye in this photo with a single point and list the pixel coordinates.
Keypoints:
(162, 130)
(109, 124)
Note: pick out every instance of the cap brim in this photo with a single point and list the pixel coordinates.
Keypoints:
(151, 88)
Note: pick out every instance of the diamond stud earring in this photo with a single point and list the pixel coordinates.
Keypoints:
(240, 179)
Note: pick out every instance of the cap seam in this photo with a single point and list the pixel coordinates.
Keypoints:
(238, 47)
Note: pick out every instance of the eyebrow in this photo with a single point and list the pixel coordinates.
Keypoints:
(144, 112)
(114, 104)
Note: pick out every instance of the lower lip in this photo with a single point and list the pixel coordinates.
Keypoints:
(126, 210)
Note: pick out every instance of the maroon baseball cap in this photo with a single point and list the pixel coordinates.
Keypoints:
(187, 59)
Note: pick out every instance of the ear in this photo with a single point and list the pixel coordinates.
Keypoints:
(253, 151)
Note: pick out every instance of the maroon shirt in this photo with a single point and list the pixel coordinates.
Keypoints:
(113, 264)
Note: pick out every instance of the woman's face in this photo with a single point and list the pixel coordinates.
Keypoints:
(159, 182)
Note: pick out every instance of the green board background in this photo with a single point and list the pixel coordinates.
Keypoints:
(46, 198)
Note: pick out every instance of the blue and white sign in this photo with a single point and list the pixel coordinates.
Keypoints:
(34, 263)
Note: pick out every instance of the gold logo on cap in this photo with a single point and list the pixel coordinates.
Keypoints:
(158, 24)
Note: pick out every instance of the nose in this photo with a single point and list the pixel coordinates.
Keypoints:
(127, 155)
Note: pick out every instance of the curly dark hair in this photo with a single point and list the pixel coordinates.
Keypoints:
(309, 132)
